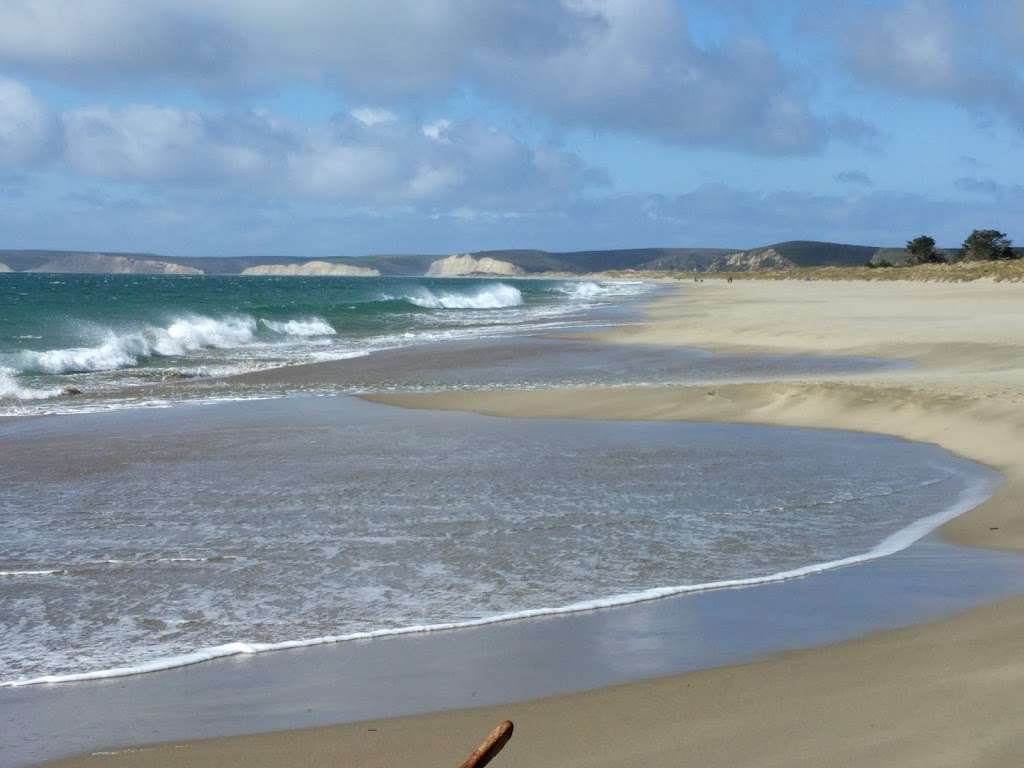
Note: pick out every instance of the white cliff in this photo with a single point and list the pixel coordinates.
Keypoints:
(750, 261)
(464, 264)
(311, 269)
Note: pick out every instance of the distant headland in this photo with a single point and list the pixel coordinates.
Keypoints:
(792, 255)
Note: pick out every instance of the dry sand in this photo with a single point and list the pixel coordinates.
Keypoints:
(944, 694)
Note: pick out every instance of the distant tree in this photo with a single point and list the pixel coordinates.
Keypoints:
(921, 250)
(987, 245)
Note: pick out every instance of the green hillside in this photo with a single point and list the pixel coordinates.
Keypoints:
(810, 253)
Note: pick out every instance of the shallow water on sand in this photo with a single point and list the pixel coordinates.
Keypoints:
(146, 536)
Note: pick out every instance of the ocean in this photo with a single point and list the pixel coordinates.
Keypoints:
(109, 337)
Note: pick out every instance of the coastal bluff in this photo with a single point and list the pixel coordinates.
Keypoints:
(310, 269)
(777, 257)
(751, 261)
(465, 264)
(104, 263)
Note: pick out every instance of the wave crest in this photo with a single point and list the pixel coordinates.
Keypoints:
(310, 326)
(498, 296)
(123, 350)
(586, 290)
(10, 389)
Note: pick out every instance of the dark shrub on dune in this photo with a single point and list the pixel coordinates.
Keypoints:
(987, 245)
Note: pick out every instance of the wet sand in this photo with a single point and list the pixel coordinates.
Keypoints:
(919, 698)
(487, 666)
(946, 693)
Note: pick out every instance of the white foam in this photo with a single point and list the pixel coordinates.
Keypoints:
(583, 290)
(66, 569)
(144, 560)
(312, 326)
(11, 389)
(330, 356)
(587, 290)
(109, 406)
(896, 542)
(496, 296)
(124, 349)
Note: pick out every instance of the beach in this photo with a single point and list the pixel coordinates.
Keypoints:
(606, 382)
(943, 693)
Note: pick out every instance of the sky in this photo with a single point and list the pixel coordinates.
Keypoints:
(346, 127)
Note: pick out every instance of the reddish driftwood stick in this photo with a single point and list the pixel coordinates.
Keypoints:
(490, 747)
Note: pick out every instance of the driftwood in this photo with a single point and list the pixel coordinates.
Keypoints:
(490, 746)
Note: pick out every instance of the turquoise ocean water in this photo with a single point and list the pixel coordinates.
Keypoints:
(100, 333)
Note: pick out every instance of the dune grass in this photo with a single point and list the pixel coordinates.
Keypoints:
(960, 272)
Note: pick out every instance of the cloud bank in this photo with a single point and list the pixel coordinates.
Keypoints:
(621, 65)
(369, 156)
(223, 126)
(968, 54)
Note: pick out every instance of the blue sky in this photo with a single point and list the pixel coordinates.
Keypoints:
(325, 127)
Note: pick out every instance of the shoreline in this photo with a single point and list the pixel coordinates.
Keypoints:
(764, 713)
(965, 393)
(995, 523)
(899, 403)
(492, 666)
(982, 485)
(946, 399)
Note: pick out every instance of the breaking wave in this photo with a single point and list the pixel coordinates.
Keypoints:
(583, 290)
(124, 350)
(10, 389)
(588, 290)
(498, 296)
(311, 326)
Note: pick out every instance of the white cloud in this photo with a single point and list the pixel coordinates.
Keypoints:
(402, 46)
(436, 129)
(913, 45)
(626, 65)
(935, 49)
(150, 143)
(373, 115)
(639, 70)
(109, 38)
(369, 157)
(346, 171)
(26, 126)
